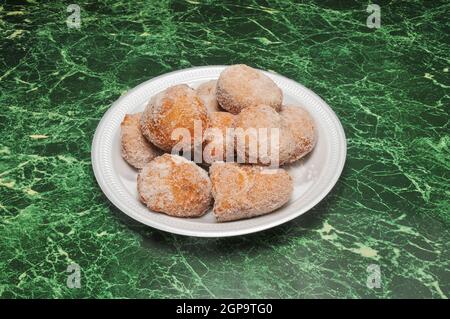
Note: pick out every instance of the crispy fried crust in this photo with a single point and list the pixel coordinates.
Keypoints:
(244, 191)
(172, 185)
(176, 107)
(240, 86)
(136, 150)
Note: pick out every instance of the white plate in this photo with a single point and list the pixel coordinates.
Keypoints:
(313, 176)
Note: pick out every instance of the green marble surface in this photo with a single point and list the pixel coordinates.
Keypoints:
(389, 86)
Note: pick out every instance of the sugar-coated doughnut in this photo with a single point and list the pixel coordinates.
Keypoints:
(244, 191)
(260, 124)
(261, 136)
(173, 185)
(135, 149)
(177, 107)
(302, 129)
(240, 86)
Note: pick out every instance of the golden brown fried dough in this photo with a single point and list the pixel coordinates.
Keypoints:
(176, 107)
(136, 150)
(175, 186)
(244, 191)
(207, 92)
(240, 86)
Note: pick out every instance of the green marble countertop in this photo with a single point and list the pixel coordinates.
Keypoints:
(389, 86)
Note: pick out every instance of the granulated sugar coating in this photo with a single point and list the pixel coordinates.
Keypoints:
(244, 191)
(240, 86)
(172, 185)
(255, 126)
(136, 150)
(301, 127)
(177, 107)
(296, 135)
(207, 92)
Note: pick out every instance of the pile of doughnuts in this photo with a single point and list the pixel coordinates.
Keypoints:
(215, 125)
